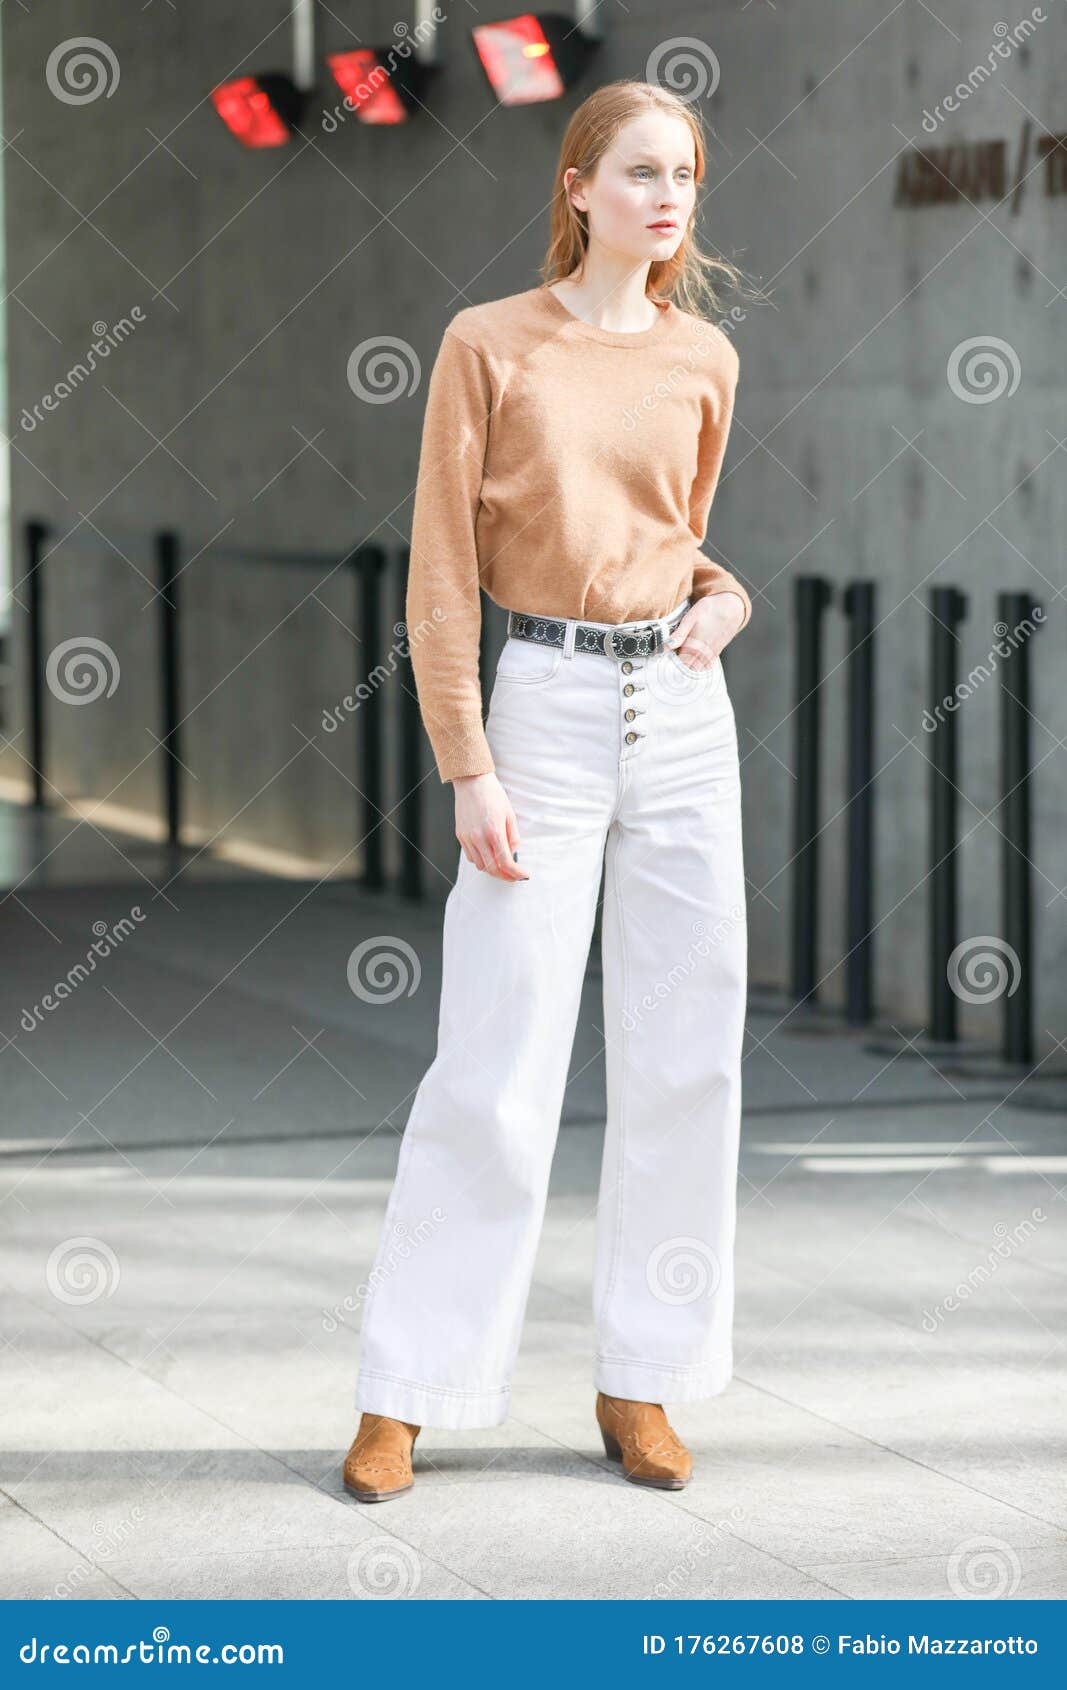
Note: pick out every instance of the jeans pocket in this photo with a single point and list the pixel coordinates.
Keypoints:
(527, 661)
(713, 677)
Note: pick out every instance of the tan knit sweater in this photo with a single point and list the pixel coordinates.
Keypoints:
(565, 469)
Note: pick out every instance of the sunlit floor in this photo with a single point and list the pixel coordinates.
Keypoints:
(199, 1139)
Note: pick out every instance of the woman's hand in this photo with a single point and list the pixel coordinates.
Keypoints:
(706, 628)
(486, 826)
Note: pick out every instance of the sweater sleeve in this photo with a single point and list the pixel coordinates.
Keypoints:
(711, 577)
(443, 599)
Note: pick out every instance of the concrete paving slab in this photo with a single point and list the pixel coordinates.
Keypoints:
(35, 1563)
(202, 1373)
(985, 1569)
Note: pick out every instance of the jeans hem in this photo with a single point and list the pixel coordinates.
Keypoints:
(650, 1381)
(430, 1405)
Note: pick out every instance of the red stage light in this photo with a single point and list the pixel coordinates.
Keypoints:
(369, 88)
(261, 111)
(535, 56)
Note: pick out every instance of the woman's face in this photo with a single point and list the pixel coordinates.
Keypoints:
(645, 178)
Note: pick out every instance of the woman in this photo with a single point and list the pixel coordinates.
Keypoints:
(572, 443)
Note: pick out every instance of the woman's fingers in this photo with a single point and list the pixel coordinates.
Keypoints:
(487, 829)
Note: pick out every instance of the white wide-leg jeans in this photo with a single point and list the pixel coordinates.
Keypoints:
(631, 766)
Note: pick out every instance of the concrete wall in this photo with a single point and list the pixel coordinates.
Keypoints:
(228, 412)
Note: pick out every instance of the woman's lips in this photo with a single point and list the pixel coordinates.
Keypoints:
(663, 228)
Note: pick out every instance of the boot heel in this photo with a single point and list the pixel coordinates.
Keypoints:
(611, 1446)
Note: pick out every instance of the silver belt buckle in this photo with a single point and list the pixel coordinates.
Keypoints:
(638, 635)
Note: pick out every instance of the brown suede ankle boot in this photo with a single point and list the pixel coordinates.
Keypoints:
(378, 1465)
(640, 1435)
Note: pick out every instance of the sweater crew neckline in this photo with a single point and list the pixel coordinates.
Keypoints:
(607, 337)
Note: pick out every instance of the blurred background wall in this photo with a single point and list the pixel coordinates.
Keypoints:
(868, 441)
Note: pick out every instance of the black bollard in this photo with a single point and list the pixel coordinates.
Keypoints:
(1017, 1042)
(948, 607)
(36, 537)
(170, 690)
(859, 606)
(812, 596)
(410, 755)
(369, 562)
